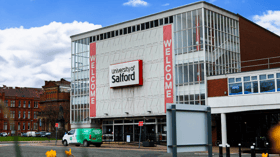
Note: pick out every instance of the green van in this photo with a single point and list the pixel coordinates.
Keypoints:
(84, 136)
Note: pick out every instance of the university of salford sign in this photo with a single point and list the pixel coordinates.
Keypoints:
(126, 74)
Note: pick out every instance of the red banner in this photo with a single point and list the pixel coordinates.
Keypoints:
(92, 80)
(168, 65)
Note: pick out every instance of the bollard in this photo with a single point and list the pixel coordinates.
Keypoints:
(267, 149)
(239, 146)
(220, 150)
(253, 153)
(227, 150)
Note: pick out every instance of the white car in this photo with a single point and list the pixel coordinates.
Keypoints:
(31, 134)
(4, 134)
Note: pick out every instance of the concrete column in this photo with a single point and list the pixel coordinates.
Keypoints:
(224, 129)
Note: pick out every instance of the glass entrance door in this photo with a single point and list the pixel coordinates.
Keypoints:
(118, 133)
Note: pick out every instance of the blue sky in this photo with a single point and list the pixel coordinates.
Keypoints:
(35, 34)
(35, 13)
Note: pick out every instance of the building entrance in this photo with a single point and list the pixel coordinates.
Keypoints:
(250, 127)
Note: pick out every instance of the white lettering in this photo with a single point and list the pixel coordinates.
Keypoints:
(92, 101)
(168, 76)
(167, 43)
(92, 86)
(167, 51)
(167, 69)
(167, 61)
(92, 58)
(168, 86)
(168, 93)
(92, 93)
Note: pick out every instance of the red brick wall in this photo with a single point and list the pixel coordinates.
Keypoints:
(217, 87)
(256, 43)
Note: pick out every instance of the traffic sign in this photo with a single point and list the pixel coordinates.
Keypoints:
(56, 125)
(140, 123)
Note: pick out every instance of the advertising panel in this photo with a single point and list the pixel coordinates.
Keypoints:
(126, 74)
(92, 80)
(168, 65)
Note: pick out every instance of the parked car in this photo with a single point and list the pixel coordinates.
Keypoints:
(31, 134)
(41, 134)
(48, 134)
(1, 134)
(85, 136)
(23, 134)
(4, 134)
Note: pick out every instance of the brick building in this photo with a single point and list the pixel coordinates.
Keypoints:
(19, 111)
(55, 94)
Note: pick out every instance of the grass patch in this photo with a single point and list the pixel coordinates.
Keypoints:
(11, 138)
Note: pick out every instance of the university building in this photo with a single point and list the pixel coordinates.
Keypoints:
(197, 54)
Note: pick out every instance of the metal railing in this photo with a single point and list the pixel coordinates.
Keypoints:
(268, 62)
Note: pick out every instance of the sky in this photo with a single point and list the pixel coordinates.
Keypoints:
(35, 34)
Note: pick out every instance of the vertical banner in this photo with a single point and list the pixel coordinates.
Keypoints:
(92, 80)
(168, 65)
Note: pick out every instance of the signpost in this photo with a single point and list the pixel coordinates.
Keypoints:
(56, 126)
(140, 124)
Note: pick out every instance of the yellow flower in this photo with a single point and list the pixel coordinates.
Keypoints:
(51, 153)
(68, 153)
(264, 155)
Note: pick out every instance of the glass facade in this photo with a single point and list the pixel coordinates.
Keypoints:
(205, 43)
(80, 81)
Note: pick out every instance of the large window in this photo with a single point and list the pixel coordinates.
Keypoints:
(28, 114)
(235, 86)
(262, 83)
(278, 81)
(13, 103)
(250, 84)
(5, 127)
(23, 114)
(19, 103)
(267, 83)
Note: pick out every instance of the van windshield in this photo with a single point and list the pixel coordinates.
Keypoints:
(71, 132)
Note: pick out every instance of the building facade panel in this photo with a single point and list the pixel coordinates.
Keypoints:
(258, 43)
(218, 87)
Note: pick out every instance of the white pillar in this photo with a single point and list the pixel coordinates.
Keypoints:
(224, 129)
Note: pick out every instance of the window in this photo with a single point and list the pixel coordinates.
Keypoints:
(71, 132)
(267, 83)
(250, 86)
(278, 81)
(18, 125)
(13, 103)
(35, 115)
(5, 116)
(24, 103)
(19, 112)
(19, 103)
(12, 126)
(35, 126)
(23, 114)
(6, 103)
(138, 27)
(5, 126)
(235, 86)
(12, 114)
(23, 126)
(35, 104)
(28, 126)
(29, 104)
(142, 26)
(28, 115)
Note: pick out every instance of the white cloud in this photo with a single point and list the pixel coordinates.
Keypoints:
(166, 4)
(136, 3)
(30, 56)
(269, 20)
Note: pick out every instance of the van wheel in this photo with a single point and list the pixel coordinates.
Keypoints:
(98, 145)
(85, 144)
(65, 143)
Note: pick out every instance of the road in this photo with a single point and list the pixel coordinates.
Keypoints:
(39, 150)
